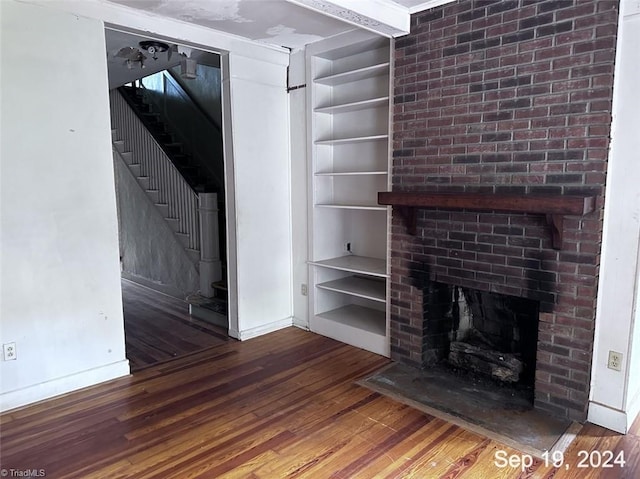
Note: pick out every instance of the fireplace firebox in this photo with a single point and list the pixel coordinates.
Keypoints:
(488, 334)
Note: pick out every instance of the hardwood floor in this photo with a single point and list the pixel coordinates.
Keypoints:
(159, 328)
(281, 405)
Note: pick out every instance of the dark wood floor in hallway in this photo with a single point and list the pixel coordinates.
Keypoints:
(159, 328)
(281, 405)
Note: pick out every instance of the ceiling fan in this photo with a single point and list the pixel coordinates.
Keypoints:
(133, 55)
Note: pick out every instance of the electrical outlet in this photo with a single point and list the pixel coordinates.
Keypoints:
(9, 352)
(303, 290)
(615, 361)
(347, 246)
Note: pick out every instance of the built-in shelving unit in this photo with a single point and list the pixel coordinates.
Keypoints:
(348, 105)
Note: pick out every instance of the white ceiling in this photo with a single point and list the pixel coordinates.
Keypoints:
(280, 23)
(276, 22)
(283, 23)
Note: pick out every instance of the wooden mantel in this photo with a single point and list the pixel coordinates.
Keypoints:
(555, 208)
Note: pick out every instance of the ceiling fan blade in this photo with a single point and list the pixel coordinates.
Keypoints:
(124, 52)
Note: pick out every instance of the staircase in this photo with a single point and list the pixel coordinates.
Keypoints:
(168, 203)
(175, 153)
(199, 178)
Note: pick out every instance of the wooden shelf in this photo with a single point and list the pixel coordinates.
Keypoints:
(373, 289)
(357, 139)
(354, 106)
(349, 206)
(555, 208)
(350, 173)
(366, 319)
(354, 75)
(355, 264)
(355, 325)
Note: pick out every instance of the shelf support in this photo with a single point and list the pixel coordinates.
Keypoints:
(556, 223)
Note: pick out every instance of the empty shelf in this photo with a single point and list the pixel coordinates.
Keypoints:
(373, 289)
(349, 206)
(354, 75)
(357, 139)
(354, 106)
(356, 264)
(358, 317)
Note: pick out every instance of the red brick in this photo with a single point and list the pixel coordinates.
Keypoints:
(554, 52)
(559, 136)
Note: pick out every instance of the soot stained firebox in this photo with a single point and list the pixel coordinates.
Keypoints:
(489, 334)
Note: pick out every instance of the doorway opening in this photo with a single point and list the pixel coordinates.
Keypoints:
(166, 114)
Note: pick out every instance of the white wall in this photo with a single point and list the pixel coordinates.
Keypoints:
(299, 198)
(613, 392)
(61, 299)
(262, 193)
(145, 236)
(257, 161)
(60, 295)
(633, 388)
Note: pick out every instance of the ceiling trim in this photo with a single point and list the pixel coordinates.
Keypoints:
(380, 16)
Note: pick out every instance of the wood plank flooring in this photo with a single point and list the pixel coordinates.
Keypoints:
(159, 328)
(281, 405)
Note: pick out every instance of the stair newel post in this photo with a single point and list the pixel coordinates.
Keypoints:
(210, 264)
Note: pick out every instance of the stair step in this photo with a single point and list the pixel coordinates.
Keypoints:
(163, 208)
(136, 169)
(221, 285)
(127, 156)
(144, 181)
(193, 254)
(154, 195)
(174, 223)
(207, 188)
(181, 161)
(189, 171)
(119, 144)
(183, 238)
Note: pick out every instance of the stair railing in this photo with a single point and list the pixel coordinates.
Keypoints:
(172, 189)
(199, 136)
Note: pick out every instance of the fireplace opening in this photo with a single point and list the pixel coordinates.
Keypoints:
(488, 337)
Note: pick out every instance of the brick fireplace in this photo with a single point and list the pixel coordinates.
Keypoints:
(507, 97)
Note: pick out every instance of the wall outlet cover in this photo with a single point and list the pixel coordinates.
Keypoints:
(615, 361)
(9, 352)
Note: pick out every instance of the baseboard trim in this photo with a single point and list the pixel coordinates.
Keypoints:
(56, 387)
(260, 330)
(158, 287)
(608, 417)
(633, 410)
(302, 324)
